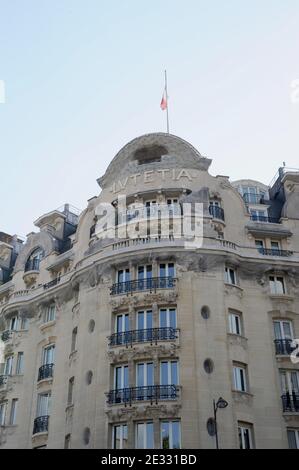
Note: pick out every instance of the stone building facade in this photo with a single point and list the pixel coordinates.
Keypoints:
(122, 336)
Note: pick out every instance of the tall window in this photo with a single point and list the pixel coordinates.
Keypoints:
(70, 394)
(34, 259)
(167, 270)
(277, 285)
(283, 329)
(145, 274)
(167, 317)
(260, 245)
(20, 363)
(120, 437)
(122, 323)
(13, 412)
(275, 247)
(8, 365)
(24, 323)
(170, 435)
(3, 407)
(145, 435)
(43, 404)
(259, 216)
(230, 276)
(169, 373)
(13, 324)
(240, 382)
(48, 355)
(235, 323)
(145, 325)
(74, 339)
(245, 436)
(293, 438)
(123, 280)
(289, 381)
(121, 377)
(50, 313)
(144, 379)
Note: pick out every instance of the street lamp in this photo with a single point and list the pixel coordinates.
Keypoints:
(221, 403)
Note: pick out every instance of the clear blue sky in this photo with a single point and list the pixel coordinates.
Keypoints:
(83, 78)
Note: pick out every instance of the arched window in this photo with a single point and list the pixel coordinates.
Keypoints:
(33, 261)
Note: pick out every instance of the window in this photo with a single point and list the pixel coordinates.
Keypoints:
(70, 391)
(289, 382)
(48, 355)
(170, 435)
(34, 259)
(121, 377)
(50, 313)
(74, 339)
(239, 373)
(8, 365)
(13, 325)
(120, 437)
(145, 325)
(145, 374)
(67, 441)
(283, 329)
(123, 275)
(260, 245)
(293, 438)
(20, 363)
(145, 435)
(245, 436)
(145, 274)
(169, 373)
(259, 216)
(122, 323)
(43, 404)
(230, 276)
(168, 317)
(275, 247)
(13, 412)
(277, 285)
(235, 323)
(3, 407)
(167, 270)
(24, 323)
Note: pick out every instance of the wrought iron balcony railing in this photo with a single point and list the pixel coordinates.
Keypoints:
(53, 283)
(152, 335)
(45, 372)
(290, 402)
(3, 380)
(283, 347)
(151, 284)
(263, 218)
(41, 424)
(274, 252)
(32, 265)
(152, 393)
(6, 335)
(217, 212)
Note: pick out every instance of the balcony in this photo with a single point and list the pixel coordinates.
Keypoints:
(53, 283)
(250, 198)
(151, 393)
(45, 372)
(152, 284)
(150, 335)
(32, 265)
(290, 402)
(6, 335)
(216, 212)
(283, 347)
(264, 219)
(274, 252)
(41, 424)
(3, 380)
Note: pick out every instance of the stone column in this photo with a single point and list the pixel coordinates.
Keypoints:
(157, 437)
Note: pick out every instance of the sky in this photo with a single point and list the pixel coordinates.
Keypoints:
(83, 78)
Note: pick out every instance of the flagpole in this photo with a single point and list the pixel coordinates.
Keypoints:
(167, 115)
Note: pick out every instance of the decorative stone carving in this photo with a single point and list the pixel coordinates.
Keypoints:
(143, 351)
(144, 410)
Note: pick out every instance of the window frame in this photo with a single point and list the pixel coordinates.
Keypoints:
(240, 378)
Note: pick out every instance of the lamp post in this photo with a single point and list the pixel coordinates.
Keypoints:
(221, 403)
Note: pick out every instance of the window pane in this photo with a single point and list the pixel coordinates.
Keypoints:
(165, 435)
(171, 269)
(174, 373)
(292, 439)
(172, 317)
(150, 374)
(246, 433)
(176, 435)
(150, 436)
(140, 436)
(164, 373)
(163, 318)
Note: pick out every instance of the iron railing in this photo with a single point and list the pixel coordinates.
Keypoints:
(32, 265)
(41, 424)
(216, 212)
(283, 347)
(151, 284)
(152, 335)
(45, 372)
(262, 218)
(53, 283)
(6, 335)
(290, 402)
(152, 393)
(274, 252)
(3, 380)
